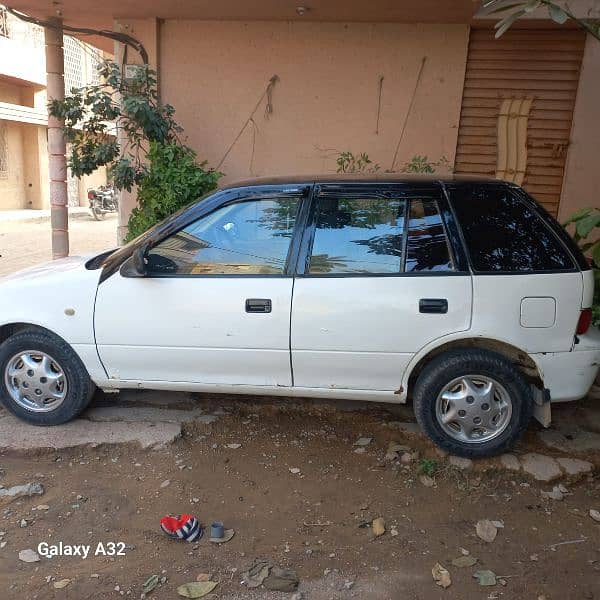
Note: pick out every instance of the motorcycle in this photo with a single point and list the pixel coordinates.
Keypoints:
(103, 200)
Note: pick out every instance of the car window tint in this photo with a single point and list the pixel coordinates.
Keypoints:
(503, 234)
(247, 238)
(427, 246)
(363, 235)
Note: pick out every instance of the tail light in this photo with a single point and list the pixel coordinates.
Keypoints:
(91, 195)
(585, 320)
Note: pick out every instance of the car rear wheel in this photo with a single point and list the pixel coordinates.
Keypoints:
(472, 403)
(42, 380)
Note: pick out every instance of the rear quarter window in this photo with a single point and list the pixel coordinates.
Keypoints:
(503, 234)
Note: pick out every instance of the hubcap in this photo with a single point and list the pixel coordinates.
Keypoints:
(35, 381)
(473, 409)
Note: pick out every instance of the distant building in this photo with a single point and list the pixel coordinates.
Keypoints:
(23, 115)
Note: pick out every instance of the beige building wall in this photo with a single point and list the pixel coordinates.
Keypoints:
(327, 98)
(581, 186)
(12, 190)
(27, 183)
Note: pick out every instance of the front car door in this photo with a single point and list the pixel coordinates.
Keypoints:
(377, 280)
(215, 305)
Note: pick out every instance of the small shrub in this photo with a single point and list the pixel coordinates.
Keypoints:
(421, 164)
(173, 180)
(347, 162)
(428, 466)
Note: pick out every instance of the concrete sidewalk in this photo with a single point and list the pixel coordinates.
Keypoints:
(29, 214)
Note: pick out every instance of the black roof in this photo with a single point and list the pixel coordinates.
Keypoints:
(338, 178)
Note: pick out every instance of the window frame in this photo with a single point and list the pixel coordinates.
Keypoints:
(301, 195)
(405, 191)
(529, 203)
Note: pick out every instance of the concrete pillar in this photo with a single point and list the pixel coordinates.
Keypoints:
(57, 148)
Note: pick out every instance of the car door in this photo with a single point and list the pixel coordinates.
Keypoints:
(215, 305)
(377, 281)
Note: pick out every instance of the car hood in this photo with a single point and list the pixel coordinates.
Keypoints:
(44, 270)
(58, 296)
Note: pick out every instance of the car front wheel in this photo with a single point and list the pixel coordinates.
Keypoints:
(472, 403)
(42, 380)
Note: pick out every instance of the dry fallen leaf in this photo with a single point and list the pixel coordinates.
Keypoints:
(595, 514)
(62, 583)
(378, 526)
(441, 576)
(486, 530)
(485, 577)
(464, 561)
(196, 589)
(150, 584)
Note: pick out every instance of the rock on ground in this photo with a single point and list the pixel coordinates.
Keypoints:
(29, 555)
(574, 466)
(511, 462)
(541, 467)
(460, 462)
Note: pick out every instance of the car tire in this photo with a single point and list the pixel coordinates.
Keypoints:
(42, 380)
(472, 403)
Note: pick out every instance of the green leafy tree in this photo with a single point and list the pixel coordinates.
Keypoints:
(151, 157)
(586, 230)
(558, 12)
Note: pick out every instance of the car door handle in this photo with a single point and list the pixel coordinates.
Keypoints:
(433, 305)
(258, 305)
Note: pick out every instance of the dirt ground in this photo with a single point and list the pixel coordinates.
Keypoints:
(315, 521)
(26, 243)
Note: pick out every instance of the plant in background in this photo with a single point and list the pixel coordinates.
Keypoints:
(172, 180)
(420, 164)
(558, 12)
(152, 153)
(587, 224)
(347, 162)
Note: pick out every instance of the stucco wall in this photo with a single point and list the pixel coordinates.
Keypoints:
(327, 96)
(581, 186)
(12, 189)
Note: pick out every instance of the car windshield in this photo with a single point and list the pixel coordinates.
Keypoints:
(126, 250)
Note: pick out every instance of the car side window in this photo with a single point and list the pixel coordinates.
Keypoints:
(503, 234)
(427, 248)
(358, 235)
(245, 238)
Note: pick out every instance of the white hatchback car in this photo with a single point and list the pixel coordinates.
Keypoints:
(462, 294)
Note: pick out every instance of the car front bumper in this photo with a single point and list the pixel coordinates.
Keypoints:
(570, 375)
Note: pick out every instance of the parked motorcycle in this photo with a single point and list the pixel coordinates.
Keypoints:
(103, 200)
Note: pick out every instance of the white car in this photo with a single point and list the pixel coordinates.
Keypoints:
(461, 294)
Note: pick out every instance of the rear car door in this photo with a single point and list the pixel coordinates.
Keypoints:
(376, 281)
(215, 305)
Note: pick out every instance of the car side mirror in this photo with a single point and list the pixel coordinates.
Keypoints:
(139, 261)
